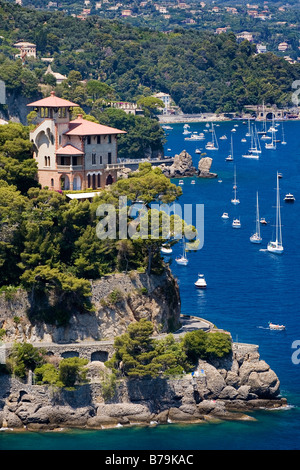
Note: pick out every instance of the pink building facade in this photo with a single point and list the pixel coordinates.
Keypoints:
(72, 154)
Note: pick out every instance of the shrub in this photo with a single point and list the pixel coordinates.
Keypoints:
(25, 357)
(72, 370)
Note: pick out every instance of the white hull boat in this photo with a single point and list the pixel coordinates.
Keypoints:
(201, 283)
(256, 238)
(273, 326)
(276, 246)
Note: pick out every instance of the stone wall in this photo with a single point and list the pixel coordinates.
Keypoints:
(229, 389)
(119, 300)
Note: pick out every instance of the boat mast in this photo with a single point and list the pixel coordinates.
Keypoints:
(278, 217)
(257, 216)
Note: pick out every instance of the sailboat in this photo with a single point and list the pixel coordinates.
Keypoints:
(183, 258)
(264, 128)
(256, 238)
(235, 200)
(214, 144)
(230, 156)
(249, 132)
(255, 148)
(273, 127)
(276, 246)
(272, 145)
(283, 142)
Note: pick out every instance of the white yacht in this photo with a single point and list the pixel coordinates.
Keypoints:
(236, 223)
(166, 250)
(289, 198)
(201, 283)
(225, 215)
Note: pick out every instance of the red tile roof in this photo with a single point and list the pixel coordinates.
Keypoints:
(53, 102)
(69, 149)
(81, 127)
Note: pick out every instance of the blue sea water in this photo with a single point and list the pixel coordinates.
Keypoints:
(247, 288)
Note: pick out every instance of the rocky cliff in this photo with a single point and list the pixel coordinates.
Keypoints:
(229, 389)
(119, 299)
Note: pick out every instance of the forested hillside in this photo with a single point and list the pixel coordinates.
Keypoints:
(202, 71)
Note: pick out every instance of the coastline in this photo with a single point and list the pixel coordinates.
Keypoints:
(227, 389)
(209, 117)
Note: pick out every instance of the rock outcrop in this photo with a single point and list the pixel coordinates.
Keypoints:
(229, 389)
(204, 166)
(183, 167)
(119, 300)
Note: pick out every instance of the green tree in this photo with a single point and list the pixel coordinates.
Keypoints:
(23, 358)
(71, 371)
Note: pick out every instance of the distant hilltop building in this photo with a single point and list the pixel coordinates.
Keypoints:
(58, 76)
(260, 48)
(245, 36)
(72, 154)
(27, 49)
(166, 99)
(283, 46)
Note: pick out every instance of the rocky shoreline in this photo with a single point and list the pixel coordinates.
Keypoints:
(228, 389)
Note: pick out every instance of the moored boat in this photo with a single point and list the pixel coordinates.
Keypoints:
(201, 283)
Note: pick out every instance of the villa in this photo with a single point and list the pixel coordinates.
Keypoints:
(72, 154)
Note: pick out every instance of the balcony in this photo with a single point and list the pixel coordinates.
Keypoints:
(114, 166)
(69, 168)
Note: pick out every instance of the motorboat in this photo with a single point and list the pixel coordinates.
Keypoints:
(225, 215)
(181, 182)
(223, 137)
(166, 250)
(273, 326)
(289, 198)
(197, 151)
(195, 137)
(263, 221)
(201, 283)
(193, 182)
(236, 223)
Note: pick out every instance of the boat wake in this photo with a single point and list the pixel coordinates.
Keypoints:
(263, 249)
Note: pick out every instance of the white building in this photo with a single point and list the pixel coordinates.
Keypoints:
(27, 49)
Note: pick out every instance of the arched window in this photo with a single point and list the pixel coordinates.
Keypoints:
(98, 180)
(46, 161)
(89, 181)
(52, 182)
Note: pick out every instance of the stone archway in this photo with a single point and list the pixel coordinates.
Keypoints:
(77, 183)
(109, 180)
(64, 182)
